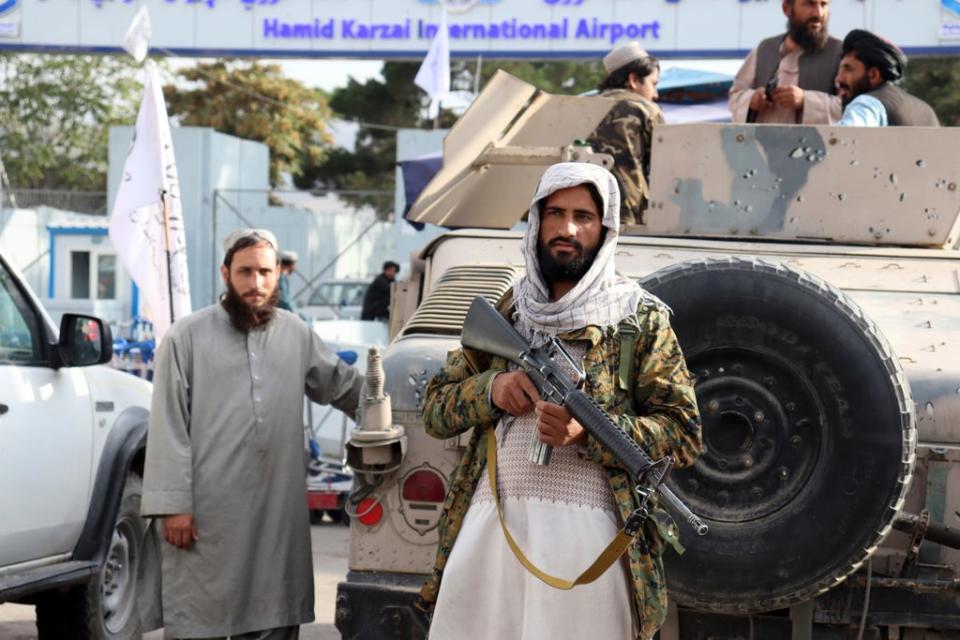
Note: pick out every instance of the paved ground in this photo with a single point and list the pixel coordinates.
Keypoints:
(330, 546)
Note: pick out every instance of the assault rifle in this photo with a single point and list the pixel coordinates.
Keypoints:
(484, 329)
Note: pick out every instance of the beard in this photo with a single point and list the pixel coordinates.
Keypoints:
(244, 316)
(860, 87)
(807, 39)
(571, 270)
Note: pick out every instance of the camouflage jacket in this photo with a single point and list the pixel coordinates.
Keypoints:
(667, 422)
(626, 133)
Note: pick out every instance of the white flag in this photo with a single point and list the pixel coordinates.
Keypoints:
(137, 223)
(137, 39)
(434, 74)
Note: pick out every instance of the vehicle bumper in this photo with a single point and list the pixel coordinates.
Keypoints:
(372, 605)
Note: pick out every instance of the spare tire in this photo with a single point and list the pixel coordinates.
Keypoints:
(808, 427)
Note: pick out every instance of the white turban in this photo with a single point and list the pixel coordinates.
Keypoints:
(601, 297)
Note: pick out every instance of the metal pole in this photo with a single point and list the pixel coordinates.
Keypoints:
(5, 181)
(476, 75)
(214, 243)
(169, 251)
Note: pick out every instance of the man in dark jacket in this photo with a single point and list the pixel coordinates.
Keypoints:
(867, 82)
(376, 301)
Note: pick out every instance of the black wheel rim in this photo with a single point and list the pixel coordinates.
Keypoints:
(118, 581)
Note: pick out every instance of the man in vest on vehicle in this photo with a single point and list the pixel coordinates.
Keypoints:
(867, 83)
(562, 514)
(788, 79)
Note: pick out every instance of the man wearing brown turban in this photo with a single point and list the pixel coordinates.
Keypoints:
(867, 82)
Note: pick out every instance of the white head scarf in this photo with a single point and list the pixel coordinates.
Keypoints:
(601, 297)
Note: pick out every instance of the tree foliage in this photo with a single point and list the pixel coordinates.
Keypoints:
(255, 101)
(55, 114)
(935, 80)
(562, 77)
(367, 171)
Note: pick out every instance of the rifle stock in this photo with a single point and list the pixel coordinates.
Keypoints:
(484, 329)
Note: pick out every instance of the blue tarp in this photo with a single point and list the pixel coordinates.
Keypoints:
(680, 78)
(417, 173)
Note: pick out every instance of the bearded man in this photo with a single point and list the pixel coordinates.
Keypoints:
(788, 79)
(868, 83)
(563, 514)
(226, 467)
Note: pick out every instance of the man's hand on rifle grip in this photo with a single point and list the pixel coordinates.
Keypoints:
(557, 427)
(514, 392)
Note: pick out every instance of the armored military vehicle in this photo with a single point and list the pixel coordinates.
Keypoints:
(813, 277)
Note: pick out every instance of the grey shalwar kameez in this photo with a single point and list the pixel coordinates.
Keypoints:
(226, 445)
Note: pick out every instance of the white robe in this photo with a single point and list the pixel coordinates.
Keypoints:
(818, 107)
(562, 516)
(226, 445)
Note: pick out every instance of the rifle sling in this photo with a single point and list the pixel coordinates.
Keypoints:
(607, 557)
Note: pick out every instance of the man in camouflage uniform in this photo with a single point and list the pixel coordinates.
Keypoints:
(570, 291)
(626, 132)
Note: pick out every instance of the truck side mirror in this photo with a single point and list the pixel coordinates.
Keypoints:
(84, 341)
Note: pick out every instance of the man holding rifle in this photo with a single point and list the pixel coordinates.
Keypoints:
(561, 514)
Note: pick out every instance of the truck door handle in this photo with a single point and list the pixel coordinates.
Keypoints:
(3, 408)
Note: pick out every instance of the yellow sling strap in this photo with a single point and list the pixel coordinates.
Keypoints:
(606, 558)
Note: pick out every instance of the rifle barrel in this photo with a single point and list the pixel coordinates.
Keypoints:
(625, 449)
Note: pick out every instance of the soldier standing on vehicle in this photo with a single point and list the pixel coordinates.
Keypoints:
(867, 82)
(288, 264)
(788, 79)
(562, 514)
(225, 469)
(626, 132)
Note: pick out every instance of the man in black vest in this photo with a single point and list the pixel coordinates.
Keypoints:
(788, 79)
(866, 82)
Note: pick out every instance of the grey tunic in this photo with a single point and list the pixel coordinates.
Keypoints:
(226, 445)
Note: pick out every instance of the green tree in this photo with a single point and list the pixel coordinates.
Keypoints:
(55, 114)
(562, 77)
(935, 80)
(367, 171)
(255, 101)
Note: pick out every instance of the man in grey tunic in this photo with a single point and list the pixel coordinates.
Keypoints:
(225, 470)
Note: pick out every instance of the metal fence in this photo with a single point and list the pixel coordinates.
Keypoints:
(336, 233)
(93, 202)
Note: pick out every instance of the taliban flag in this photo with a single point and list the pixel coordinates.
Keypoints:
(146, 225)
(434, 74)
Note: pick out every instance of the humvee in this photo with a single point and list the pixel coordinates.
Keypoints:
(814, 280)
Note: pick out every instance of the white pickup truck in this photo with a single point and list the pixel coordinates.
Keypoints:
(72, 439)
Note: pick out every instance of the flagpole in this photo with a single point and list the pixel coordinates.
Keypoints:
(168, 250)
